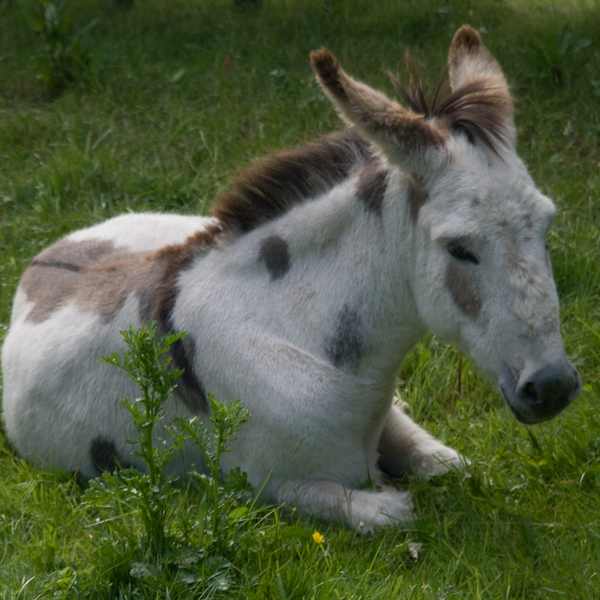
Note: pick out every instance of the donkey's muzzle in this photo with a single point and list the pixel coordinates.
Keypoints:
(544, 389)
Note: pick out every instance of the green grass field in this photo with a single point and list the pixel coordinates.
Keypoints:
(161, 102)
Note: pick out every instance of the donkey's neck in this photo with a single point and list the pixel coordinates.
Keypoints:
(383, 248)
(330, 277)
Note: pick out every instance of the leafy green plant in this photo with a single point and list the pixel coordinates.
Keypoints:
(226, 421)
(147, 364)
(64, 60)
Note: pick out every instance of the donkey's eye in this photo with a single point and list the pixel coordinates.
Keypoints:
(459, 252)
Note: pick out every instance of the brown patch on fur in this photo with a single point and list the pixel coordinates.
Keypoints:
(74, 256)
(371, 187)
(93, 274)
(275, 184)
(463, 292)
(174, 259)
(99, 277)
(101, 290)
(416, 196)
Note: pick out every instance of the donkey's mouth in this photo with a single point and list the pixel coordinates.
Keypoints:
(520, 415)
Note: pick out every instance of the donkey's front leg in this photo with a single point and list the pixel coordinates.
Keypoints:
(404, 447)
(361, 509)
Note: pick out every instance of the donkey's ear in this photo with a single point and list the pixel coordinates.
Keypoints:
(472, 68)
(402, 135)
(469, 60)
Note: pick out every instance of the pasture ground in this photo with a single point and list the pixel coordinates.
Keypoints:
(166, 99)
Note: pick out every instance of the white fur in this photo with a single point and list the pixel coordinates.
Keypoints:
(159, 230)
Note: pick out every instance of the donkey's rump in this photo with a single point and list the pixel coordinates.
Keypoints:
(75, 297)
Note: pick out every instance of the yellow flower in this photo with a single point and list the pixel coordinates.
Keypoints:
(317, 537)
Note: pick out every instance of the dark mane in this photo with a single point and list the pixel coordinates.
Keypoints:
(275, 184)
(477, 108)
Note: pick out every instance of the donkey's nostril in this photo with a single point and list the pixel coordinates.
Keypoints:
(530, 392)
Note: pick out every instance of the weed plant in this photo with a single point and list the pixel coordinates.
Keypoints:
(226, 420)
(146, 362)
(63, 60)
(188, 91)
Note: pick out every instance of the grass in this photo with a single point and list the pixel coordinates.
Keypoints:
(174, 97)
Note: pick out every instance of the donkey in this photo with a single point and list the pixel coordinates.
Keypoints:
(318, 271)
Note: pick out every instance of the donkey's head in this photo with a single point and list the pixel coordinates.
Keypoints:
(482, 274)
